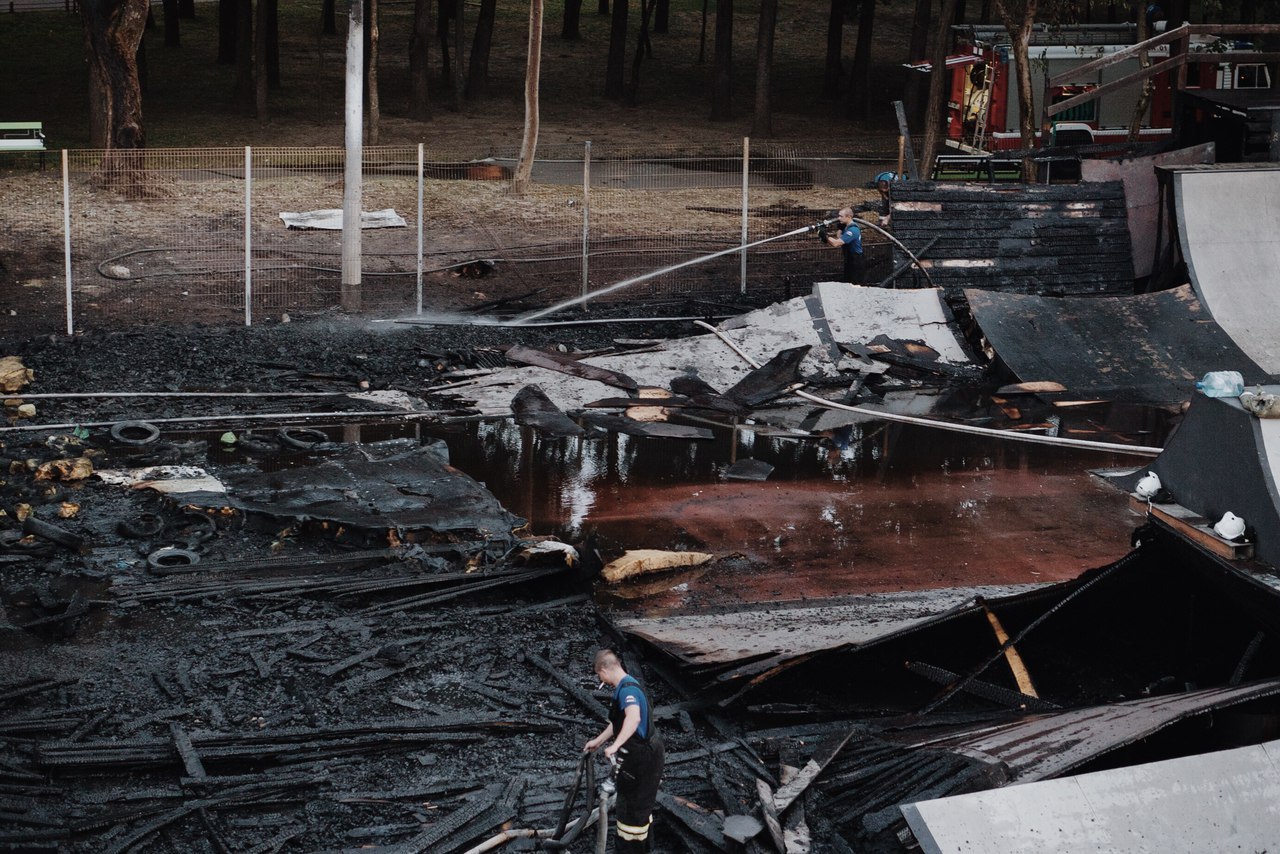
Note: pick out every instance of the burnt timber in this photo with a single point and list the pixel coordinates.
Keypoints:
(1049, 240)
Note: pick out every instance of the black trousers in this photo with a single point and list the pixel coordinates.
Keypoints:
(855, 267)
(639, 774)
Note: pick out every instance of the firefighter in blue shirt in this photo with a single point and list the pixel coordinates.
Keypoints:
(849, 241)
(638, 748)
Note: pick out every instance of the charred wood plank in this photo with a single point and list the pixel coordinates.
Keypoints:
(771, 823)
(533, 408)
(430, 839)
(646, 429)
(707, 829)
(186, 751)
(569, 365)
(770, 380)
(584, 699)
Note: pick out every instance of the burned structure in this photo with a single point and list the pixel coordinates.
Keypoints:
(353, 633)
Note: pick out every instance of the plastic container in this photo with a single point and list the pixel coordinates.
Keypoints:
(1222, 384)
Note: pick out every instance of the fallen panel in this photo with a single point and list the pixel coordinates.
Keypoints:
(1224, 801)
(846, 314)
(1139, 349)
(786, 629)
(1142, 193)
(1229, 228)
(330, 219)
(408, 492)
(1048, 746)
(1223, 458)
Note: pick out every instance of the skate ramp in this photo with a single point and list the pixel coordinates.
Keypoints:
(1229, 227)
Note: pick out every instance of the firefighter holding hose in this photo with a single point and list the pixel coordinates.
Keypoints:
(637, 747)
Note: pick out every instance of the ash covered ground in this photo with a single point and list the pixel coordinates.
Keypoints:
(291, 691)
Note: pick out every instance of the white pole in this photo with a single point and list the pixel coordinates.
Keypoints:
(420, 182)
(586, 216)
(66, 237)
(746, 172)
(248, 236)
(352, 190)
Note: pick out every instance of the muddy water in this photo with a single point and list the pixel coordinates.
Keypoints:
(886, 508)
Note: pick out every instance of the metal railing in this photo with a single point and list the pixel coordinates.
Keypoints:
(116, 239)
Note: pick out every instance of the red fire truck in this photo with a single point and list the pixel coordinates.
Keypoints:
(982, 104)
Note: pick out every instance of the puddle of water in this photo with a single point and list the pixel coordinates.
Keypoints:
(896, 508)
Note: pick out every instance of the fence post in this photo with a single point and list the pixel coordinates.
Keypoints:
(586, 215)
(420, 168)
(248, 236)
(746, 183)
(66, 237)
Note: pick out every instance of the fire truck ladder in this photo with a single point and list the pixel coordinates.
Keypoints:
(981, 119)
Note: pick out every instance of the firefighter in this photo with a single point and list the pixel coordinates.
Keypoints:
(637, 747)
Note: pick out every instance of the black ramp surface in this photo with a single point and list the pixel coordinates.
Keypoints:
(1223, 458)
(1138, 349)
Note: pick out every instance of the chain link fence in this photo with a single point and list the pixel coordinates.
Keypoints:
(204, 235)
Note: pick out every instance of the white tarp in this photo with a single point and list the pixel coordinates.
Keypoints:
(330, 219)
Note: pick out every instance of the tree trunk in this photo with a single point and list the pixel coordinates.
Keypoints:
(375, 104)
(602, 8)
(762, 120)
(529, 144)
(227, 17)
(1144, 99)
(661, 16)
(141, 61)
(1019, 21)
(171, 37)
(419, 56)
(614, 84)
(633, 90)
(835, 51)
(329, 17)
(917, 49)
(260, 63)
(571, 30)
(859, 95)
(478, 74)
(722, 72)
(935, 116)
(702, 36)
(273, 43)
(244, 54)
(458, 9)
(113, 32)
(187, 9)
(443, 19)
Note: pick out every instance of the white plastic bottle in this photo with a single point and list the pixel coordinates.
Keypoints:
(1222, 384)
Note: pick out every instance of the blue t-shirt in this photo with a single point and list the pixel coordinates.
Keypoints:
(628, 694)
(851, 237)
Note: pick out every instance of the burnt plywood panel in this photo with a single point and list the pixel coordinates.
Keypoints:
(1223, 458)
(1142, 193)
(1049, 746)
(1029, 239)
(1142, 349)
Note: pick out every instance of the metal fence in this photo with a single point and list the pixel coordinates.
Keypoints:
(121, 238)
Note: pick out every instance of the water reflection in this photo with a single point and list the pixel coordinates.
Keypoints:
(870, 507)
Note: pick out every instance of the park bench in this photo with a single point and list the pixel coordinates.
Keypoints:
(975, 167)
(22, 137)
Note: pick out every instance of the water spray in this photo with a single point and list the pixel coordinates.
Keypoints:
(644, 277)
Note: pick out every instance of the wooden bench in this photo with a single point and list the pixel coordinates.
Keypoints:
(21, 137)
(975, 167)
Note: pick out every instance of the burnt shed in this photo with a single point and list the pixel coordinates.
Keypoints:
(1047, 240)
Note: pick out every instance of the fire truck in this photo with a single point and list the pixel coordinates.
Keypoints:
(982, 107)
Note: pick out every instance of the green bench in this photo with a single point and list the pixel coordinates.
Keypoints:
(22, 137)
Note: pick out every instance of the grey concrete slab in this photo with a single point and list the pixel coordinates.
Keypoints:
(1229, 228)
(1224, 801)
